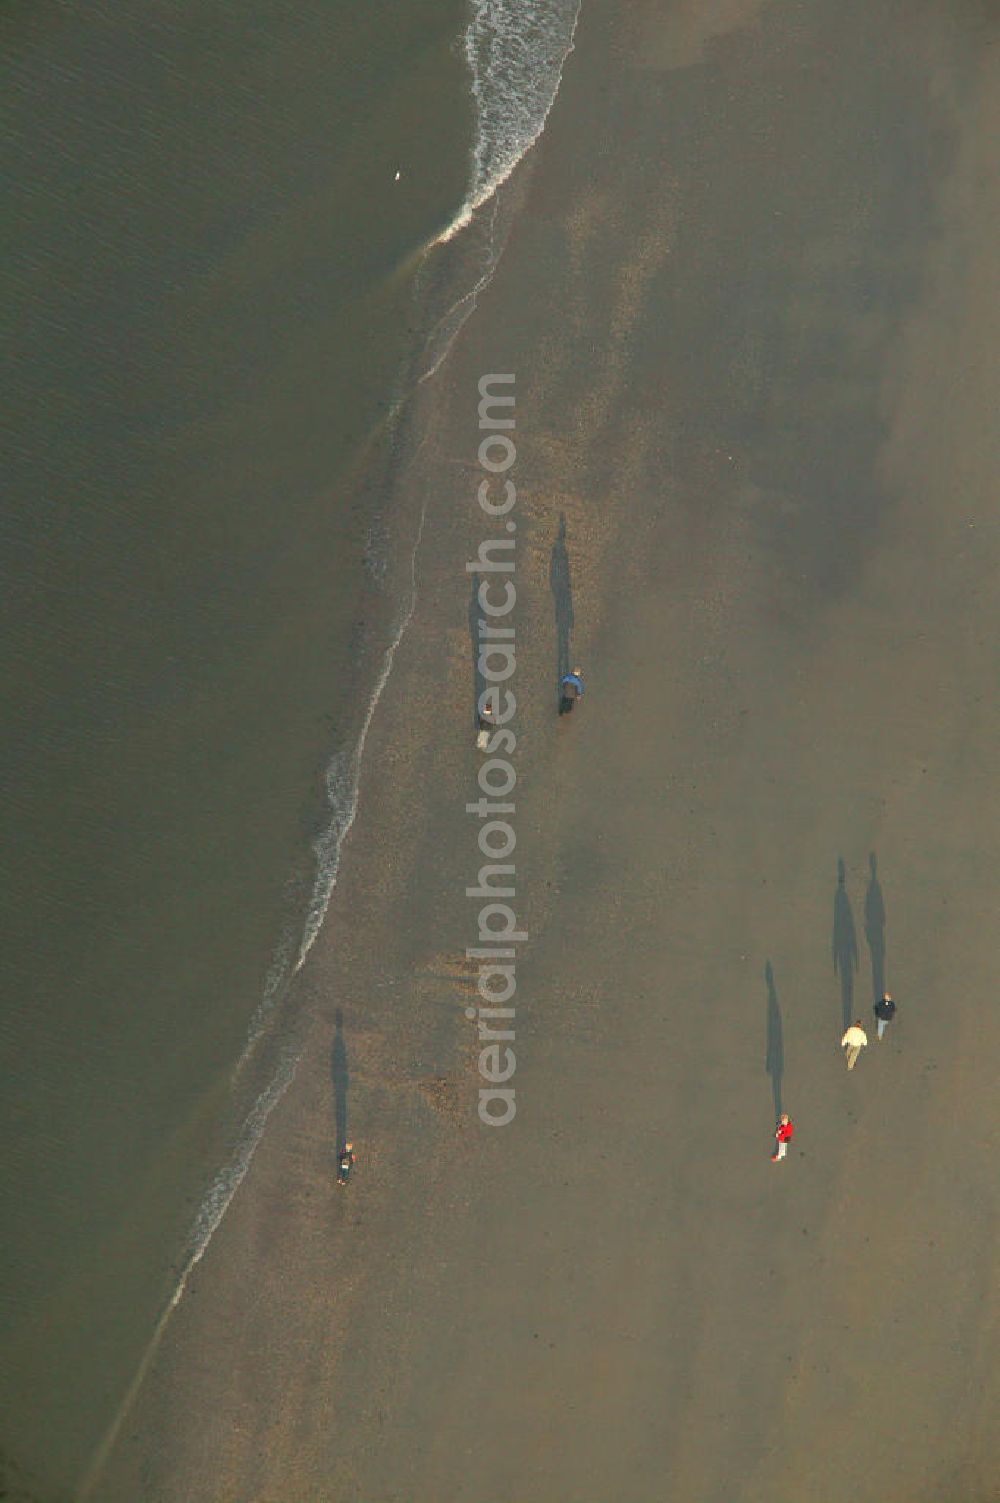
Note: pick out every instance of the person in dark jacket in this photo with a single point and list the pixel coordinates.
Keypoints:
(345, 1163)
(885, 1011)
(571, 689)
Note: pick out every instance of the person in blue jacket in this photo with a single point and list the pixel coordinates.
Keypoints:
(571, 687)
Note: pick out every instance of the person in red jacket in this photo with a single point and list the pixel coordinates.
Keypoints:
(783, 1134)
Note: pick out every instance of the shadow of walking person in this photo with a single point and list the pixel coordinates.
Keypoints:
(341, 1080)
(845, 945)
(478, 681)
(561, 586)
(774, 1058)
(875, 929)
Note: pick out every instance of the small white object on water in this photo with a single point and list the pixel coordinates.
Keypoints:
(398, 175)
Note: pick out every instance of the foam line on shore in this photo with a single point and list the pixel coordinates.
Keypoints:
(514, 84)
(220, 1193)
(515, 58)
(213, 1208)
(516, 53)
(343, 776)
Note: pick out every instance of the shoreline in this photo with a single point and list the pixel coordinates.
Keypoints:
(279, 1033)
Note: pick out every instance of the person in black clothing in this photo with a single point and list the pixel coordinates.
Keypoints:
(885, 1009)
(345, 1163)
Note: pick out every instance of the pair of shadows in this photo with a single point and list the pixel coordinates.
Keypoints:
(845, 964)
(845, 942)
(561, 585)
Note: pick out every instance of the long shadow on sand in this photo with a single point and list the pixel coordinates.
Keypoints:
(478, 681)
(774, 1058)
(845, 945)
(475, 642)
(341, 1081)
(561, 585)
(875, 928)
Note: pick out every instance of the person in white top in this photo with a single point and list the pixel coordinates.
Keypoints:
(854, 1041)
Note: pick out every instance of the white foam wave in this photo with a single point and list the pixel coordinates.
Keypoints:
(343, 777)
(213, 1207)
(341, 782)
(515, 50)
(228, 1180)
(279, 973)
(448, 327)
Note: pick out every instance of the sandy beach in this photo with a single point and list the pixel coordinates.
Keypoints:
(751, 297)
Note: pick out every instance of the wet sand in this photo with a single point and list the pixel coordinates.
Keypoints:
(751, 298)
